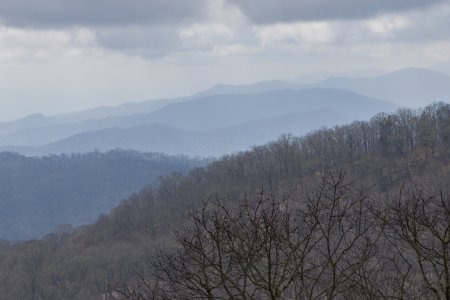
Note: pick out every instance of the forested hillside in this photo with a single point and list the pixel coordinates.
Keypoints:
(359, 211)
(40, 193)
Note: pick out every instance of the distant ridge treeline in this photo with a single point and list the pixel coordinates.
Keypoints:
(114, 255)
(39, 193)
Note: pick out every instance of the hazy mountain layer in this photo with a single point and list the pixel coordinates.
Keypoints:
(220, 111)
(128, 108)
(31, 121)
(406, 87)
(171, 140)
(253, 88)
(224, 112)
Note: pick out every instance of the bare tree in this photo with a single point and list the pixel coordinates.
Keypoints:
(250, 250)
(346, 237)
(418, 228)
(268, 248)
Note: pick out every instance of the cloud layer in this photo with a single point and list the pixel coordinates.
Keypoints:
(157, 28)
(270, 11)
(50, 13)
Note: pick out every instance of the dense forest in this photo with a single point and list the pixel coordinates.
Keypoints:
(40, 193)
(360, 211)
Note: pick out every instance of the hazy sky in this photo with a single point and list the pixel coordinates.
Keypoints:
(65, 55)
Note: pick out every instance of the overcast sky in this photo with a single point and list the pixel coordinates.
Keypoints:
(65, 55)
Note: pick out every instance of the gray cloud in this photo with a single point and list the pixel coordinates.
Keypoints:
(146, 41)
(271, 11)
(157, 28)
(433, 28)
(56, 13)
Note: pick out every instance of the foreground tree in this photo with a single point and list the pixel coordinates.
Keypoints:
(268, 248)
(418, 231)
(346, 238)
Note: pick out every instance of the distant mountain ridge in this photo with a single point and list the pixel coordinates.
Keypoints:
(124, 109)
(220, 111)
(243, 89)
(413, 87)
(30, 121)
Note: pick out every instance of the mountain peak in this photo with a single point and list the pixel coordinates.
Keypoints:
(35, 116)
(417, 72)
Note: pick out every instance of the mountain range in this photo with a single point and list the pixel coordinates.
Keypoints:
(206, 126)
(225, 118)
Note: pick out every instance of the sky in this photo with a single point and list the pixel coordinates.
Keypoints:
(65, 55)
